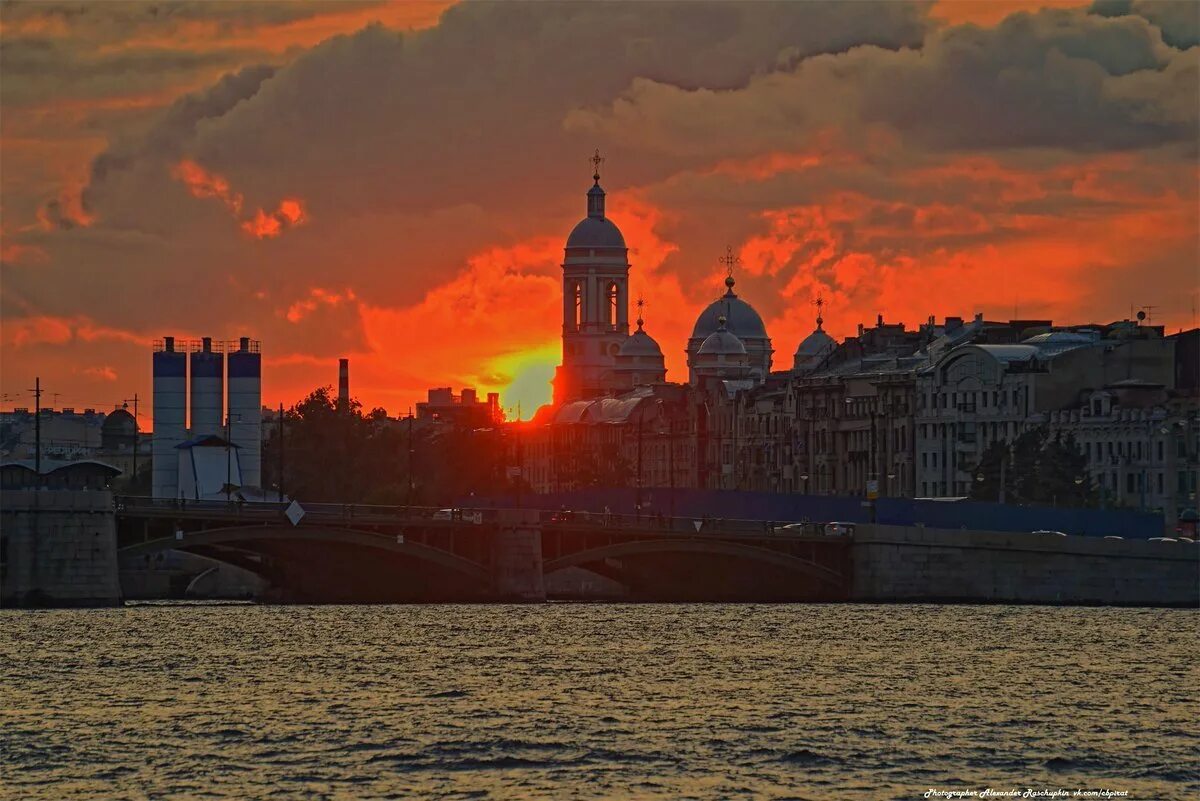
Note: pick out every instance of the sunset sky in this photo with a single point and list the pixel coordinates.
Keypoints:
(393, 183)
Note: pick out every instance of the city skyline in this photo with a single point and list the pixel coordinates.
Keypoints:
(421, 234)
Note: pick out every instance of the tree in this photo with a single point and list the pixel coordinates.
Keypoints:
(1038, 469)
(338, 454)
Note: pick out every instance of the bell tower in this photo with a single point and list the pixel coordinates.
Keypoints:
(595, 301)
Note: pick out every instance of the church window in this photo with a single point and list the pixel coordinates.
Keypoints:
(578, 305)
(612, 304)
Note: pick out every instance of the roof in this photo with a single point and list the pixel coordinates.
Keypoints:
(1052, 343)
(53, 465)
(1002, 353)
(207, 441)
(602, 410)
(595, 232)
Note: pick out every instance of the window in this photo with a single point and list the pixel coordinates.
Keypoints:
(1129, 485)
(1160, 451)
(577, 292)
(612, 304)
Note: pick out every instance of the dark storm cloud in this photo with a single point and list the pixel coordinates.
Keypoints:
(1179, 20)
(1053, 79)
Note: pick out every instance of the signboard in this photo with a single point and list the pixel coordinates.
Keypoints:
(872, 489)
(697, 524)
(294, 513)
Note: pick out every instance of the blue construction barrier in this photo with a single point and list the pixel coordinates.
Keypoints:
(787, 507)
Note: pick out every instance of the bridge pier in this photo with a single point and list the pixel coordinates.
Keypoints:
(517, 557)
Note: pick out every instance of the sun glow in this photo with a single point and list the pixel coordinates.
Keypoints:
(523, 379)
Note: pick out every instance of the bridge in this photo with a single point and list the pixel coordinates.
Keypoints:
(354, 554)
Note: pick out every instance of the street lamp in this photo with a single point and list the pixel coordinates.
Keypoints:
(229, 418)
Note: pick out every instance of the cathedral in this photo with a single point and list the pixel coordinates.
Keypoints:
(600, 357)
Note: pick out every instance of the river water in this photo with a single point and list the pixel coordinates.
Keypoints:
(564, 701)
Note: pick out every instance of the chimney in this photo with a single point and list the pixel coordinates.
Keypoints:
(879, 320)
(344, 383)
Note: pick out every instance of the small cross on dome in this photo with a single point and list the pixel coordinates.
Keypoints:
(596, 160)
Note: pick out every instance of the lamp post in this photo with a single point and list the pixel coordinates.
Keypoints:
(667, 428)
(637, 504)
(229, 455)
(125, 405)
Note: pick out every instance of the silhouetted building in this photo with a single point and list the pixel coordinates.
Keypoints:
(465, 409)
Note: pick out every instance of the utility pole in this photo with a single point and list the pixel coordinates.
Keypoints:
(520, 459)
(228, 457)
(1003, 459)
(408, 497)
(135, 433)
(37, 427)
(638, 499)
(281, 452)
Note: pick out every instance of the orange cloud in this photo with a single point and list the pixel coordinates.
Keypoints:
(104, 373)
(990, 12)
(316, 298)
(267, 225)
(204, 184)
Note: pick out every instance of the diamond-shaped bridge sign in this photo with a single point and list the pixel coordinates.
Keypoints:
(294, 513)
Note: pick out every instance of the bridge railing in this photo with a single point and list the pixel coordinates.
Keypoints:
(390, 514)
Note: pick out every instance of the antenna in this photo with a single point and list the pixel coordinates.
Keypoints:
(1147, 313)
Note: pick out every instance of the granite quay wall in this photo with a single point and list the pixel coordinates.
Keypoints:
(916, 564)
(59, 548)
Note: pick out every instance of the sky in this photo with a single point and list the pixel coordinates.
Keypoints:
(394, 182)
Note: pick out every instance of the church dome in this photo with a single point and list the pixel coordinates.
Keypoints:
(595, 232)
(818, 343)
(722, 342)
(740, 317)
(640, 343)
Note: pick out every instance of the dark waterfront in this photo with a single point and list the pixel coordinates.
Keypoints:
(584, 701)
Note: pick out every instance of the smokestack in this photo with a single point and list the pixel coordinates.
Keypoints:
(344, 383)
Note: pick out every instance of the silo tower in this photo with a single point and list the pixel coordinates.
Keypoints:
(245, 407)
(170, 416)
(208, 387)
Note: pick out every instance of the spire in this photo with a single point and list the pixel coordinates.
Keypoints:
(595, 195)
(641, 304)
(819, 303)
(730, 260)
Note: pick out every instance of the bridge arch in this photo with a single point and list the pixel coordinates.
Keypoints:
(714, 547)
(213, 542)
